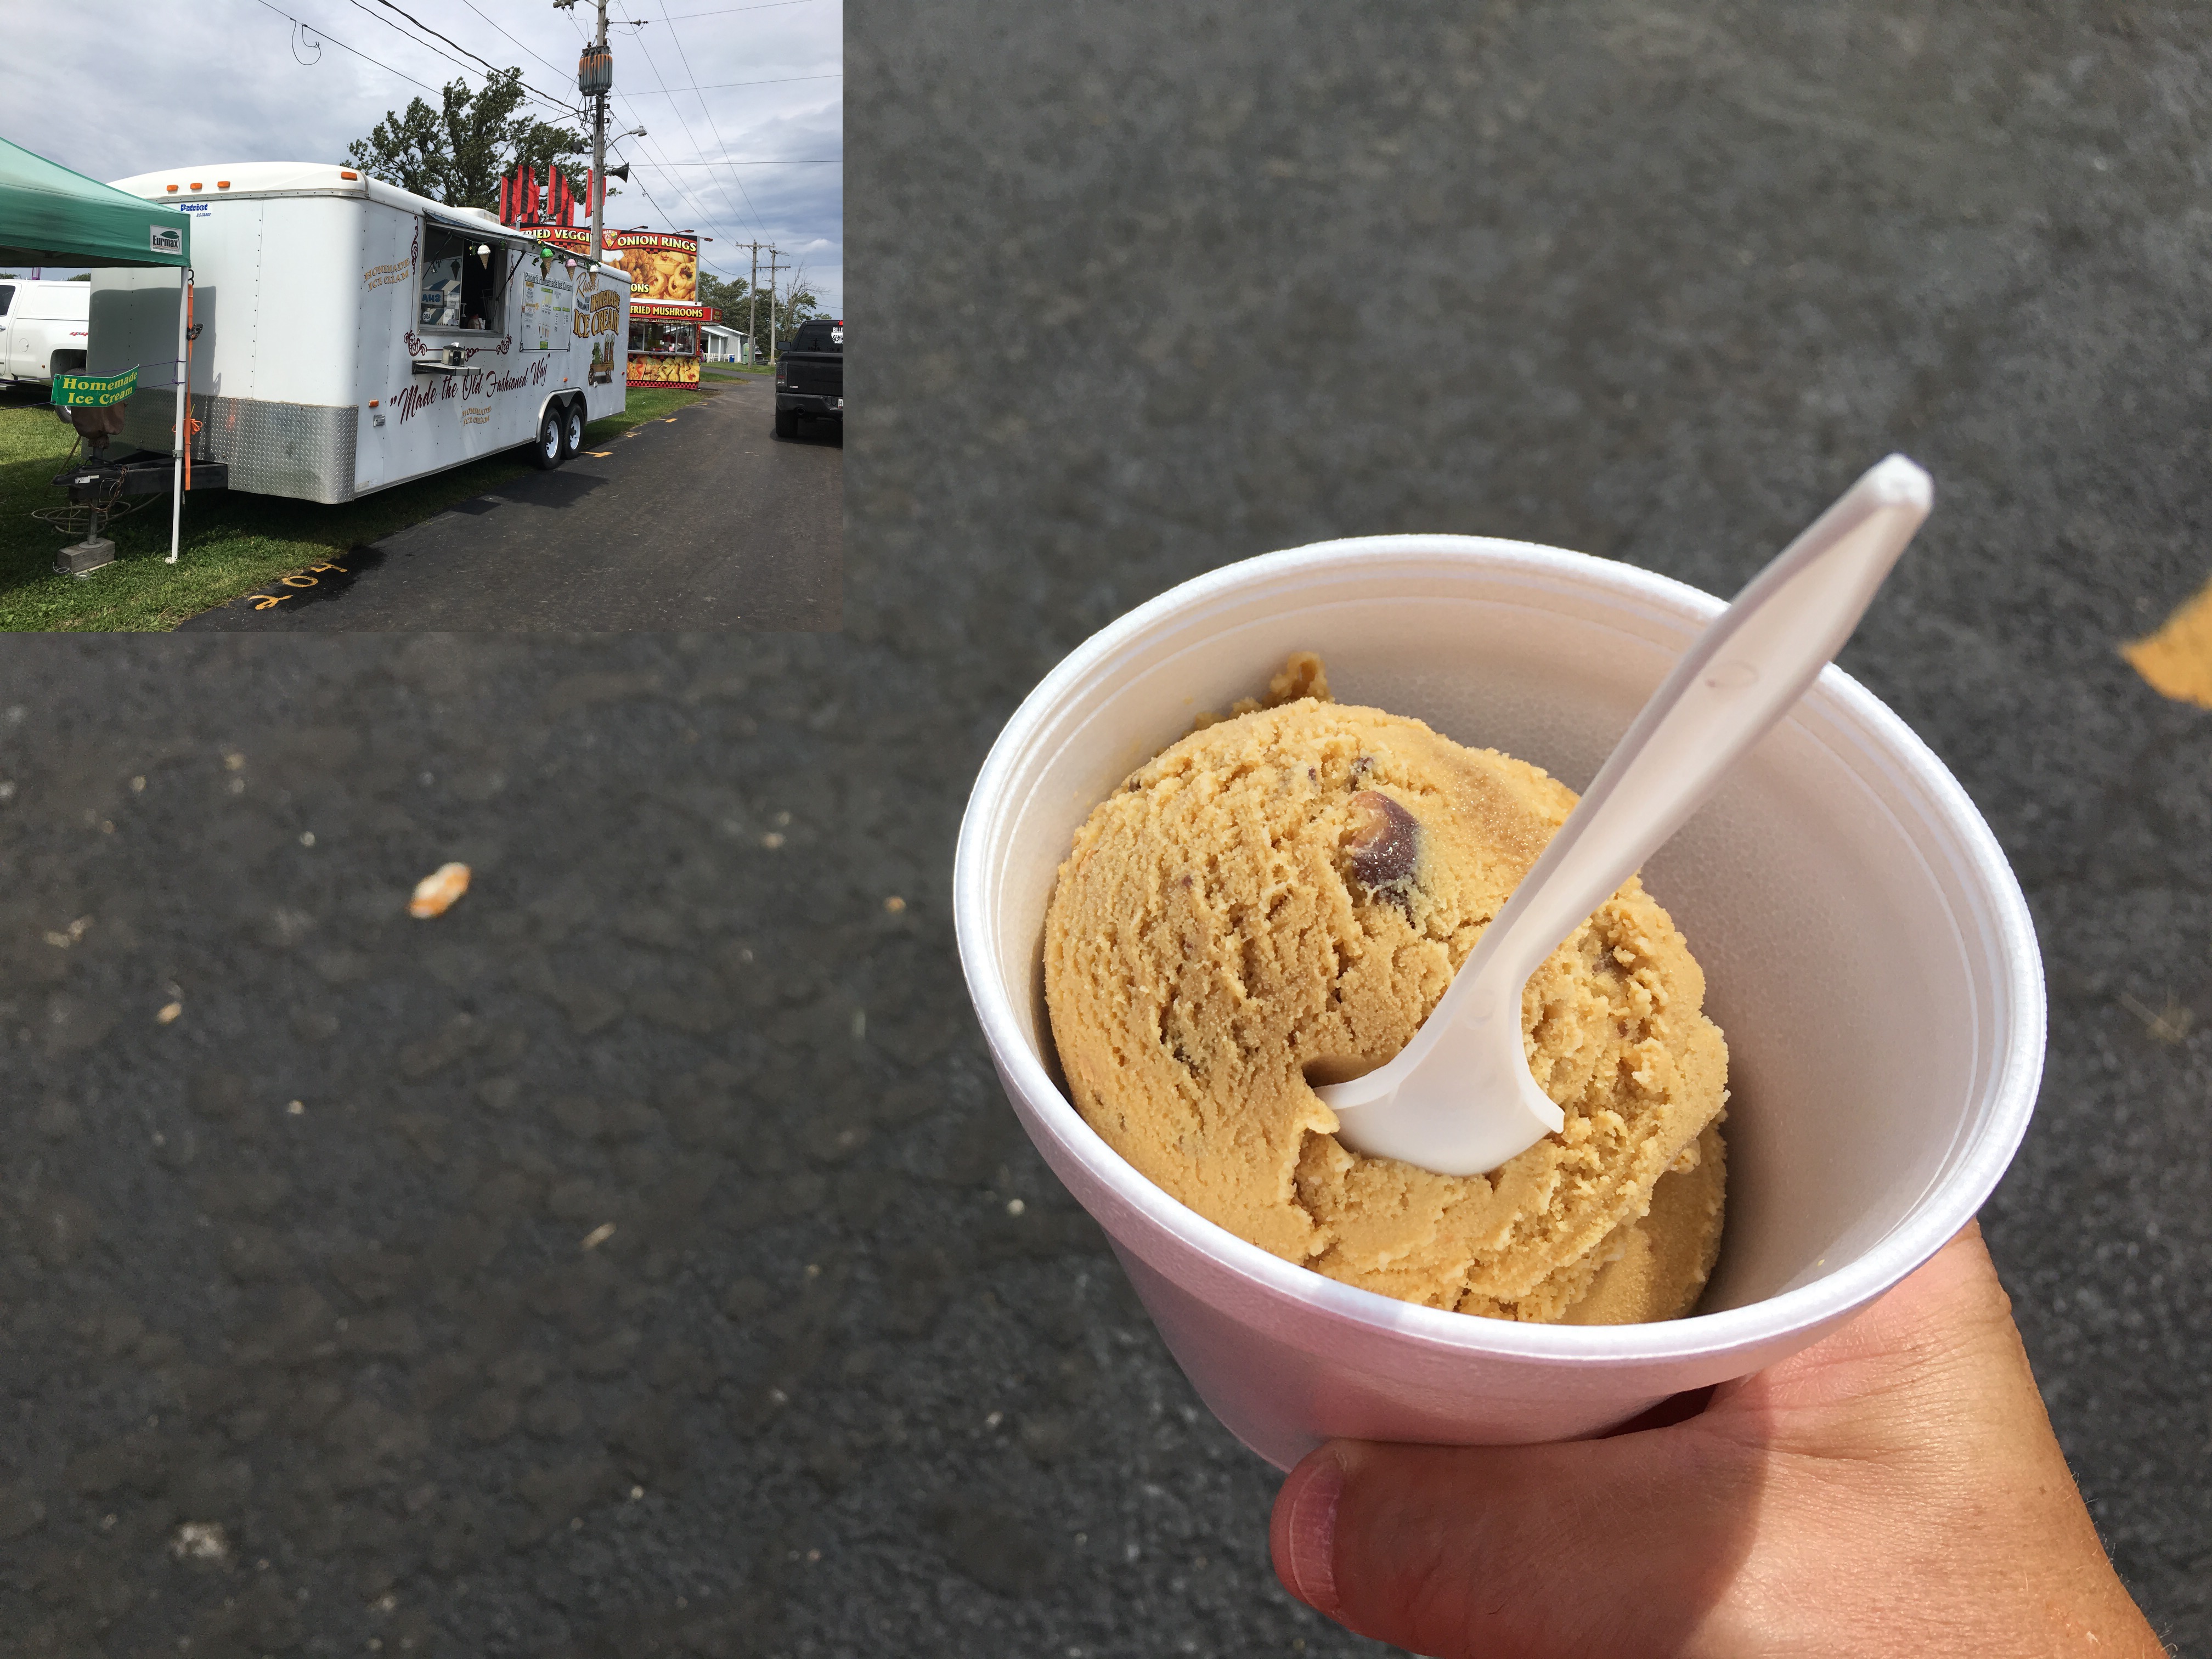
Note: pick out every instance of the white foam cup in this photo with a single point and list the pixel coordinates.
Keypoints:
(1866, 949)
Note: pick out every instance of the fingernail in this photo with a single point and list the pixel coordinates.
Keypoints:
(1311, 1536)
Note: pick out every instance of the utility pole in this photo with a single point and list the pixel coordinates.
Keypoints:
(595, 78)
(599, 139)
(752, 305)
(771, 302)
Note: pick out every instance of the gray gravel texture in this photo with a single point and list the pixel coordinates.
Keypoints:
(1152, 288)
(703, 520)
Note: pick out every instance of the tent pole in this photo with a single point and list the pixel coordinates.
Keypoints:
(184, 433)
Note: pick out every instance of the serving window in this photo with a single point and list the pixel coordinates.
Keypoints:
(464, 281)
(663, 340)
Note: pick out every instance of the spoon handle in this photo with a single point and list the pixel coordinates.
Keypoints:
(1743, 674)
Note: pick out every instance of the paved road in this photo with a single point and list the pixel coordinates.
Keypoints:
(1642, 281)
(704, 519)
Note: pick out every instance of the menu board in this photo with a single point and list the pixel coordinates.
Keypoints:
(669, 271)
(663, 264)
(545, 318)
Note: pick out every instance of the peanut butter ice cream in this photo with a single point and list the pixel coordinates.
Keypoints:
(1277, 901)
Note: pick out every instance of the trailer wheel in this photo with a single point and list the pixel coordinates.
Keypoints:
(572, 430)
(786, 423)
(548, 452)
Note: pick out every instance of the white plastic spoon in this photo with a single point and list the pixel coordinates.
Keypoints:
(1459, 1098)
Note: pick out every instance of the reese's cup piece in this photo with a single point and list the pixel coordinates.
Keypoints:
(1384, 845)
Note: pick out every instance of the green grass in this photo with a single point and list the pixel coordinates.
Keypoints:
(233, 543)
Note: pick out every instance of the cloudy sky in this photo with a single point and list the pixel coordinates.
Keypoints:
(742, 104)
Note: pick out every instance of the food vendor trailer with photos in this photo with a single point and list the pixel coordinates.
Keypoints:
(665, 313)
(350, 335)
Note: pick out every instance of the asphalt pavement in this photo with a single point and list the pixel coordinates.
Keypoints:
(704, 519)
(639, 1272)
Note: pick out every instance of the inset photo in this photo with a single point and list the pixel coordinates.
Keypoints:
(525, 318)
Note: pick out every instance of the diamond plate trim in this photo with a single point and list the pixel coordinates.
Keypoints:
(305, 451)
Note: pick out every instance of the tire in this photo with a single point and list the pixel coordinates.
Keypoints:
(548, 452)
(786, 423)
(572, 430)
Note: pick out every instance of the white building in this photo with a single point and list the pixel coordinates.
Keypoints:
(726, 345)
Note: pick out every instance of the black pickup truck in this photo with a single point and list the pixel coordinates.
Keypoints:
(809, 377)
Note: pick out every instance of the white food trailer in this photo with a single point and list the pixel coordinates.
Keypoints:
(351, 335)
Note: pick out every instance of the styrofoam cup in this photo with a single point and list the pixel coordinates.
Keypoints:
(1865, 944)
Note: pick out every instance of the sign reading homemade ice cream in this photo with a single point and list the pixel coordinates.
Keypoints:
(93, 391)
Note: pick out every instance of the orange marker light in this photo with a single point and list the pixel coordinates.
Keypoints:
(222, 184)
(198, 185)
(172, 189)
(372, 403)
(343, 173)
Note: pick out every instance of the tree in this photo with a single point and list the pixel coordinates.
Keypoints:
(727, 298)
(796, 302)
(458, 154)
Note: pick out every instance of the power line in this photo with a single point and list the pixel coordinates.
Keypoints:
(685, 58)
(702, 217)
(549, 63)
(676, 110)
(772, 162)
(488, 66)
(465, 67)
(770, 6)
(668, 219)
(618, 93)
(342, 46)
(541, 58)
(717, 86)
(674, 169)
(659, 212)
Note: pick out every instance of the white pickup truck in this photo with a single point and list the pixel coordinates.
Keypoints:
(43, 327)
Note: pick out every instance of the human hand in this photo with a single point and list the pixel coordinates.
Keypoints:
(1893, 1490)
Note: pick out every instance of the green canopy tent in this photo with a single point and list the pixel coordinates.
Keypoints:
(50, 215)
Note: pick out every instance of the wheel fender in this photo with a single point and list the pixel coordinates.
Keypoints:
(552, 402)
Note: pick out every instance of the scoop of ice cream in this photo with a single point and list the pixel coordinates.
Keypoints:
(1277, 901)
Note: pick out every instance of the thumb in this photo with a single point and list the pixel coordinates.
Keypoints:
(1621, 1547)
